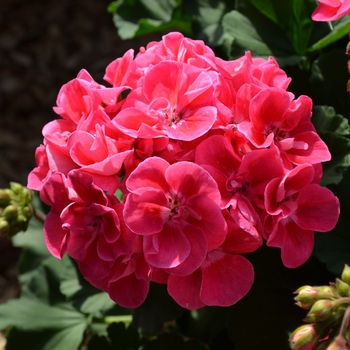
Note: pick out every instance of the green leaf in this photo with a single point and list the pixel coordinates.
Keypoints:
(333, 129)
(324, 119)
(31, 314)
(329, 76)
(138, 17)
(207, 16)
(67, 338)
(97, 303)
(340, 29)
(293, 17)
(258, 34)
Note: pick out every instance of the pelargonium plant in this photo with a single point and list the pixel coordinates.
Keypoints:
(180, 166)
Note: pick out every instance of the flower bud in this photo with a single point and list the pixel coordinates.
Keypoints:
(306, 296)
(342, 288)
(320, 311)
(16, 187)
(304, 337)
(4, 226)
(345, 276)
(339, 343)
(10, 212)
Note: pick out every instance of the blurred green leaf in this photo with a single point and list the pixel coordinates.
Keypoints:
(340, 29)
(138, 17)
(207, 16)
(333, 129)
(293, 16)
(67, 338)
(30, 314)
(254, 32)
(329, 76)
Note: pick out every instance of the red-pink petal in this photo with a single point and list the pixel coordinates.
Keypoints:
(185, 290)
(225, 278)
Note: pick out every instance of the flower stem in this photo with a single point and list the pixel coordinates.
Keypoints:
(127, 319)
(345, 323)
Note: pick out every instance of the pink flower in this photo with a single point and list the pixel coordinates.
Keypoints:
(241, 182)
(297, 207)
(128, 281)
(84, 222)
(224, 276)
(330, 10)
(275, 117)
(176, 100)
(176, 210)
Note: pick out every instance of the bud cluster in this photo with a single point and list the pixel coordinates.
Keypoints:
(328, 317)
(15, 209)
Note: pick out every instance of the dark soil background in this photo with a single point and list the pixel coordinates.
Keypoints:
(43, 45)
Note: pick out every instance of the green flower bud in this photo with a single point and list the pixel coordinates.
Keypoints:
(4, 226)
(16, 187)
(345, 276)
(342, 288)
(306, 296)
(304, 337)
(5, 196)
(320, 311)
(10, 212)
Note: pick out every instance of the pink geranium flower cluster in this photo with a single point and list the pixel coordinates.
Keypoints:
(212, 156)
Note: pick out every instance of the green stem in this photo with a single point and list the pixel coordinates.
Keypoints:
(110, 319)
(345, 323)
(39, 215)
(341, 301)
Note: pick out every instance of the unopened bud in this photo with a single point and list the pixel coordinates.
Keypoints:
(16, 187)
(320, 311)
(4, 226)
(10, 212)
(306, 296)
(339, 343)
(345, 276)
(304, 337)
(5, 196)
(342, 288)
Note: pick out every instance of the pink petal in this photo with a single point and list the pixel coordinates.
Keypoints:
(225, 278)
(187, 179)
(55, 235)
(168, 248)
(197, 255)
(211, 220)
(318, 209)
(150, 173)
(128, 291)
(185, 290)
(146, 214)
(297, 246)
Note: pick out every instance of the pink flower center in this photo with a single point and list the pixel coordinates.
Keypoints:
(279, 134)
(174, 206)
(172, 117)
